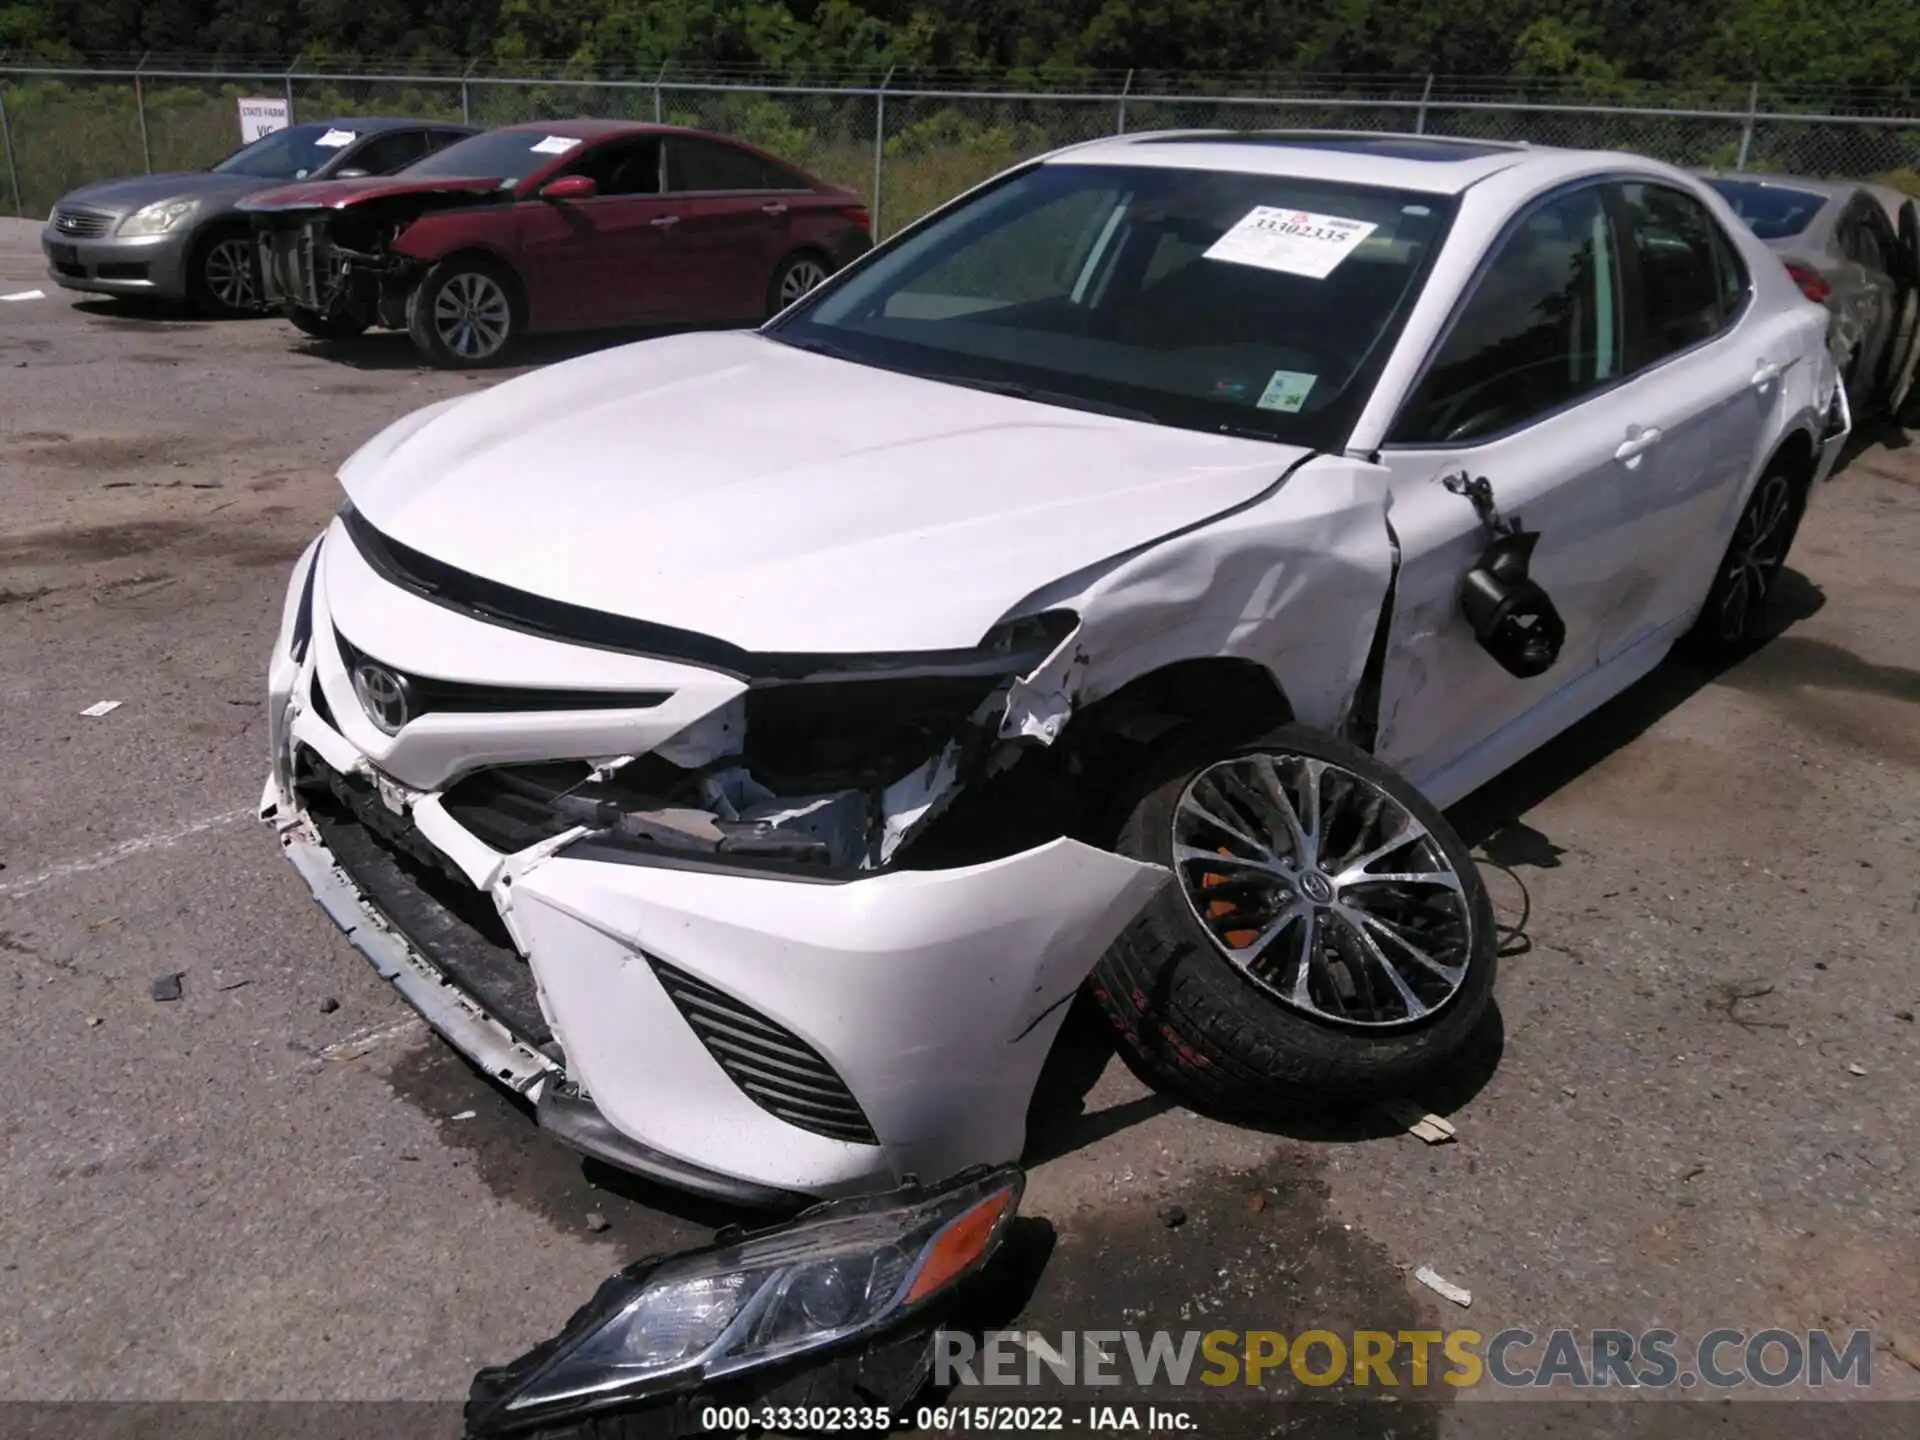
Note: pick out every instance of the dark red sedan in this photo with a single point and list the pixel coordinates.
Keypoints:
(556, 225)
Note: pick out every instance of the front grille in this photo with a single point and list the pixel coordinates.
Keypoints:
(422, 896)
(426, 695)
(776, 1069)
(81, 224)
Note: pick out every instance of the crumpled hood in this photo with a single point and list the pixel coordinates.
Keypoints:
(129, 193)
(339, 194)
(785, 501)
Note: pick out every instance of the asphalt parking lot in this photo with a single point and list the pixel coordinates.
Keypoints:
(1699, 1108)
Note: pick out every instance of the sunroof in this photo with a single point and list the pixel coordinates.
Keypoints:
(1391, 147)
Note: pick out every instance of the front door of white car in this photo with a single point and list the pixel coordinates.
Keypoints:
(1709, 374)
(1525, 390)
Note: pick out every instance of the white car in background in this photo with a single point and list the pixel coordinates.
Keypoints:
(746, 744)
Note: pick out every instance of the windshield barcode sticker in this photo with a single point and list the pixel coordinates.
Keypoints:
(554, 145)
(334, 139)
(1297, 242)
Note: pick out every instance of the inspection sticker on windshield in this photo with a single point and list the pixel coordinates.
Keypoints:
(554, 145)
(1298, 242)
(334, 139)
(1287, 390)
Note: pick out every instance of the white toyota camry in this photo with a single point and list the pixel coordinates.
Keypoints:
(744, 745)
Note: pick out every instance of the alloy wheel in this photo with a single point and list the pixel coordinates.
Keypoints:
(229, 274)
(472, 315)
(1322, 889)
(800, 277)
(1754, 559)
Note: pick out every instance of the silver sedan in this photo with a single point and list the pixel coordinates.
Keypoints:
(1855, 248)
(178, 237)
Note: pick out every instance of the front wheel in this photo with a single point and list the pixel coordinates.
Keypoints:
(222, 279)
(464, 314)
(1325, 932)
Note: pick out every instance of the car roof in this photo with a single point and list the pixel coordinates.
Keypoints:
(374, 124)
(588, 129)
(1431, 164)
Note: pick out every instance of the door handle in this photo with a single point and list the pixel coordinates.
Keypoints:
(774, 207)
(1638, 443)
(1768, 372)
(665, 222)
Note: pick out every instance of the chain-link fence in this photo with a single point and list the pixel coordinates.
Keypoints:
(907, 147)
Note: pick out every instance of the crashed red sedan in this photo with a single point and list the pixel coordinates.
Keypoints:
(550, 226)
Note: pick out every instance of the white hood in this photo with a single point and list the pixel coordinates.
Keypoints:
(784, 501)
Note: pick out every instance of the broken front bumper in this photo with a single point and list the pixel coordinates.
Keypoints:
(754, 1037)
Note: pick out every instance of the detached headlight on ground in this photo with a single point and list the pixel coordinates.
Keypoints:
(157, 218)
(842, 1273)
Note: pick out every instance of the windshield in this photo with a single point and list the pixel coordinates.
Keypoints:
(508, 155)
(290, 154)
(1772, 212)
(1209, 300)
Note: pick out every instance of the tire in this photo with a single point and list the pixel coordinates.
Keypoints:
(1733, 619)
(325, 327)
(796, 275)
(479, 292)
(223, 277)
(1903, 357)
(1233, 1034)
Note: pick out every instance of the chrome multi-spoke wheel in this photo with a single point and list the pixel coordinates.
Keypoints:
(801, 277)
(796, 276)
(1326, 891)
(466, 312)
(228, 270)
(1325, 930)
(472, 315)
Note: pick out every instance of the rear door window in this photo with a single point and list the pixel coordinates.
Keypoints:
(1678, 270)
(710, 165)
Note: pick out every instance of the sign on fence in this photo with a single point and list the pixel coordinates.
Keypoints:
(262, 117)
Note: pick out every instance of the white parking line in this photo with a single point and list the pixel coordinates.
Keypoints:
(125, 850)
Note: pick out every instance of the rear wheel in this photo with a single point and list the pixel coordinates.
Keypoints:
(796, 276)
(1325, 931)
(221, 275)
(1734, 618)
(326, 327)
(465, 313)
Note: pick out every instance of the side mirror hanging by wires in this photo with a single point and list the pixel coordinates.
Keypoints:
(1512, 617)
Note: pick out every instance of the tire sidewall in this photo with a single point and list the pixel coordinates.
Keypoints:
(1263, 1043)
(420, 303)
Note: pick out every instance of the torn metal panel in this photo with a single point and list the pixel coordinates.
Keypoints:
(1294, 581)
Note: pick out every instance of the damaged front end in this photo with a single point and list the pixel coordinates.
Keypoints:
(824, 765)
(335, 256)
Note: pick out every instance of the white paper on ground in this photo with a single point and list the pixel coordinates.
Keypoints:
(1297, 242)
(102, 707)
(25, 295)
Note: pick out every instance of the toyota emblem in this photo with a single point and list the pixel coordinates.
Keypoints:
(383, 695)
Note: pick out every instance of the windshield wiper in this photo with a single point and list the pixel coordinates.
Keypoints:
(1019, 391)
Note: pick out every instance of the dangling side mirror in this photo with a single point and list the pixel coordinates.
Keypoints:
(1512, 617)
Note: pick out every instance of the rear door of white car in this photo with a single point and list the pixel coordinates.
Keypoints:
(1523, 388)
(1707, 368)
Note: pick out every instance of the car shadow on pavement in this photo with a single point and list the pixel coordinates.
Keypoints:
(132, 313)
